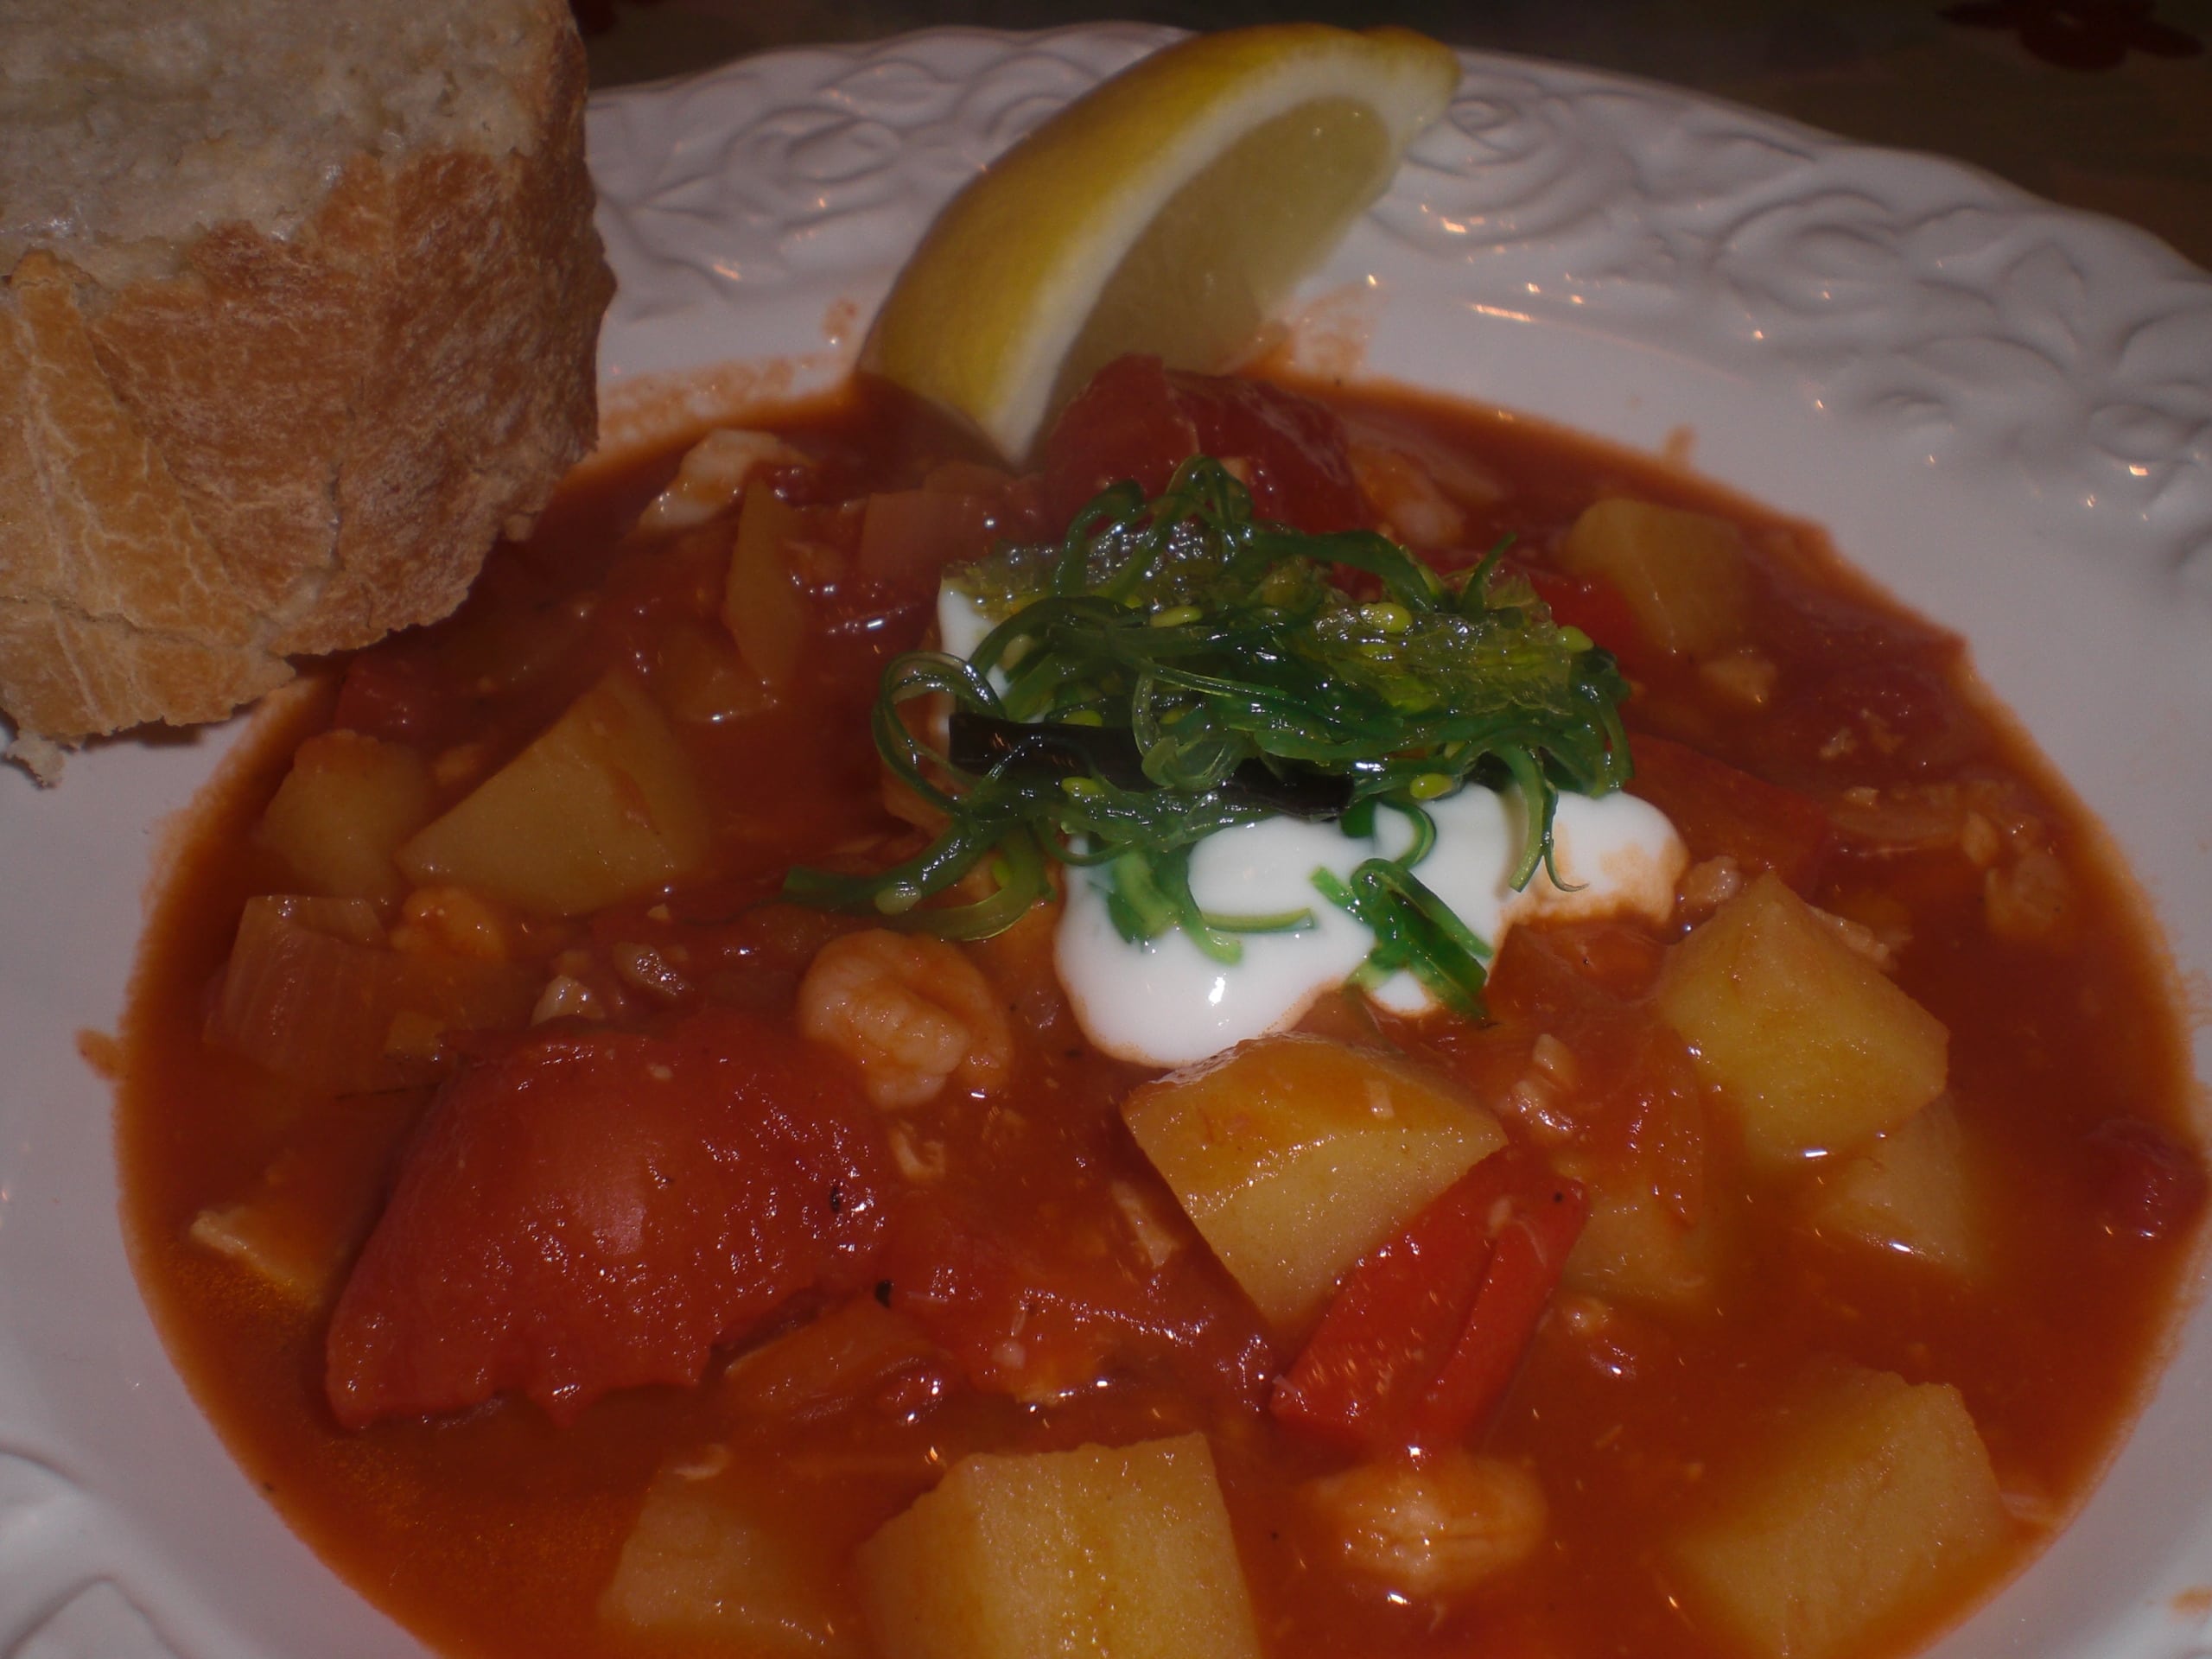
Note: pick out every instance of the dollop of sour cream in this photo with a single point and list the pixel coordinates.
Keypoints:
(962, 622)
(1164, 1001)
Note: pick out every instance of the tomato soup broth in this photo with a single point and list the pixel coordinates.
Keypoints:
(1001, 1268)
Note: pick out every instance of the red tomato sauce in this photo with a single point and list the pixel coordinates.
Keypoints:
(1844, 748)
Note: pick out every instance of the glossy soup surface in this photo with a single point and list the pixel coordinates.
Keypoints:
(1045, 1289)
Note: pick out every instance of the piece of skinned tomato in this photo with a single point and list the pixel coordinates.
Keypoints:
(394, 695)
(1717, 808)
(1139, 420)
(1042, 1316)
(2147, 1183)
(1424, 1333)
(1595, 605)
(587, 1211)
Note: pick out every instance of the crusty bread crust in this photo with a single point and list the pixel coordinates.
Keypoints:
(291, 445)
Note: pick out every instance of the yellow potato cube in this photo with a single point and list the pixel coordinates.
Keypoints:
(710, 1560)
(347, 803)
(1815, 1049)
(1916, 1191)
(1682, 573)
(703, 679)
(603, 806)
(1634, 1249)
(1100, 1552)
(1876, 1501)
(762, 607)
(1295, 1156)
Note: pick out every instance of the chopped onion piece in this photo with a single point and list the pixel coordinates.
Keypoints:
(314, 993)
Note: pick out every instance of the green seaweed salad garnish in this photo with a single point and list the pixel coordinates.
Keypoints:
(1176, 667)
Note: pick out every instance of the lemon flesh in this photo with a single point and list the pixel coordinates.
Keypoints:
(1169, 211)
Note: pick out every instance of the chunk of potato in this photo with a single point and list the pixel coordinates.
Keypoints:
(1295, 1156)
(762, 607)
(1876, 1500)
(711, 1560)
(702, 678)
(603, 806)
(1916, 1192)
(1635, 1248)
(1682, 573)
(345, 807)
(1100, 1552)
(1817, 1051)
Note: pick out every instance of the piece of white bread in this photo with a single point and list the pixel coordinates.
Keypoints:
(300, 311)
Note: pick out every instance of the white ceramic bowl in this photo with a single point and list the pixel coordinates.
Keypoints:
(2000, 408)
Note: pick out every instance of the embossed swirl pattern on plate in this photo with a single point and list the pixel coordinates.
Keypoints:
(1976, 321)
(57, 1598)
(1899, 289)
(772, 170)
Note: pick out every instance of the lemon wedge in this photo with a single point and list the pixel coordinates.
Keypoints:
(1168, 210)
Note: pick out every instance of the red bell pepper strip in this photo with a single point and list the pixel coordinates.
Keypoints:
(1719, 808)
(1138, 420)
(1425, 1332)
(1528, 1250)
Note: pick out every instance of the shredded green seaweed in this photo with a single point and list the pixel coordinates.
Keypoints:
(1213, 642)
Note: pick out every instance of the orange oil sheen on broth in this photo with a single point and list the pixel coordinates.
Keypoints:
(493, 1532)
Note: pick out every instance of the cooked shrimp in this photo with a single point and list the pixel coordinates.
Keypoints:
(912, 1013)
(1431, 1530)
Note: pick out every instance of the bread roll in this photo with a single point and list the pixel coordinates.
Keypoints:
(300, 311)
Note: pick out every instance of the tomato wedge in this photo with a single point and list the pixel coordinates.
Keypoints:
(1595, 605)
(1718, 808)
(1139, 419)
(1427, 1331)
